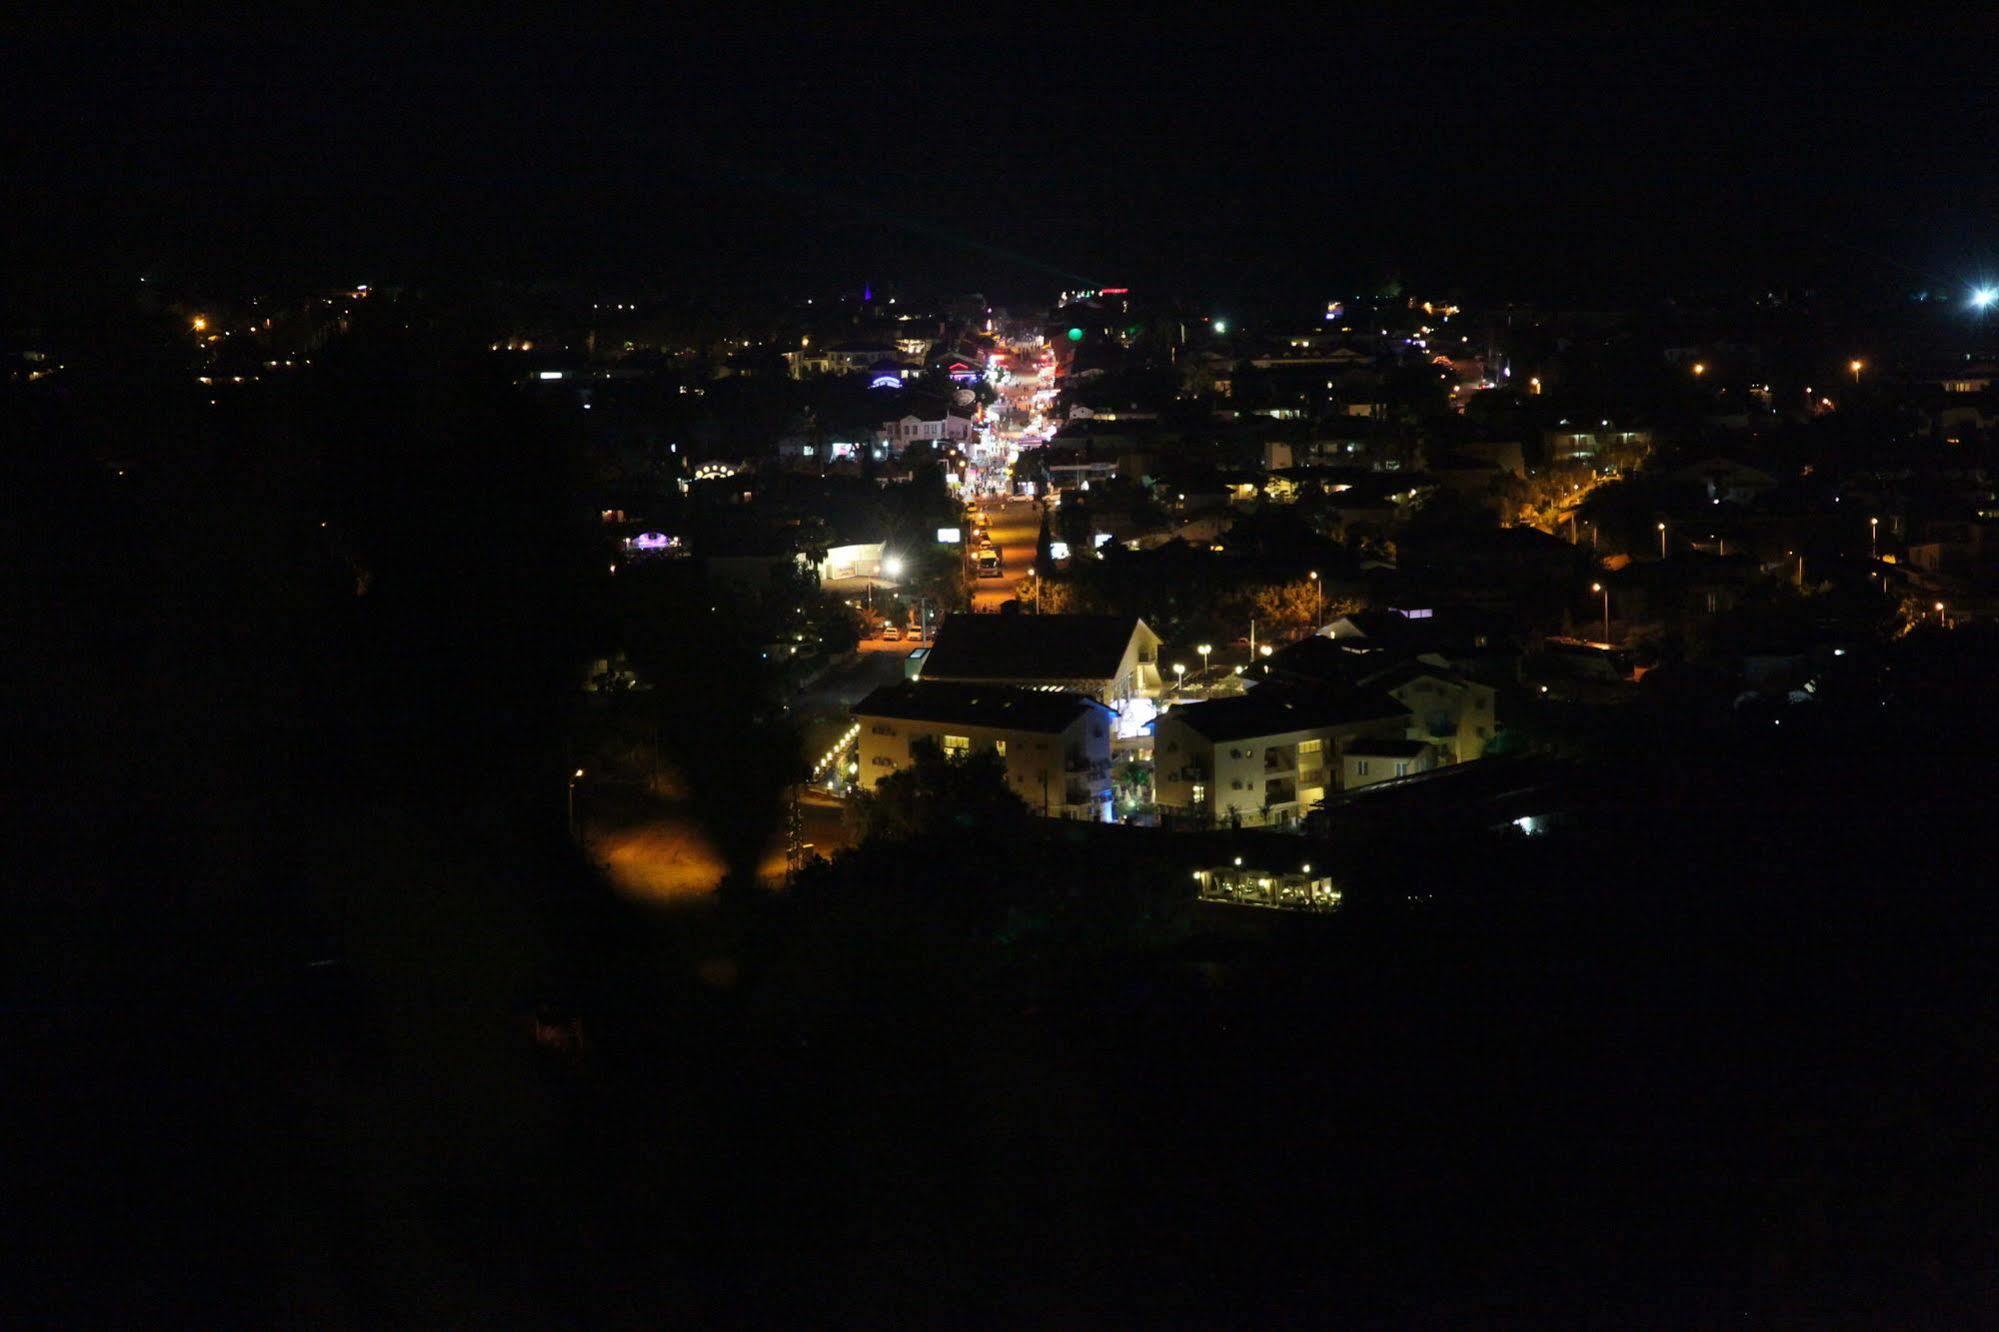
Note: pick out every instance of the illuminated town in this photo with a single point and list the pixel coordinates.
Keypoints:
(1162, 672)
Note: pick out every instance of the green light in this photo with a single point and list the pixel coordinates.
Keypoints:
(1075, 335)
(1221, 326)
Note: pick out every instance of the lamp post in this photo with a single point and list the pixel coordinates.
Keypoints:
(1873, 538)
(574, 778)
(1179, 677)
(1599, 587)
(1318, 603)
(1662, 541)
(1856, 366)
(1205, 648)
(1941, 622)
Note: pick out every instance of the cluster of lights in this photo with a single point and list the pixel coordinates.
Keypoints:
(832, 756)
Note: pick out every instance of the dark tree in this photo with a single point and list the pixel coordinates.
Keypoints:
(936, 794)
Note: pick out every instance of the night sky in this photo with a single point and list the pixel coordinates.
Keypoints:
(1016, 152)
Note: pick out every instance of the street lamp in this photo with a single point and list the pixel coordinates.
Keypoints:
(1318, 603)
(1599, 587)
(1204, 649)
(1873, 538)
(1179, 676)
(1856, 366)
(574, 778)
(1662, 541)
(1699, 369)
(892, 566)
(1940, 619)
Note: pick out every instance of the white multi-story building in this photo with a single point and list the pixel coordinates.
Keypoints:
(1056, 747)
(1263, 759)
(1449, 711)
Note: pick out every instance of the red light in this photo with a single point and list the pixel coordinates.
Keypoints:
(1116, 291)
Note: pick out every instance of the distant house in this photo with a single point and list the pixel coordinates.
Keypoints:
(1723, 479)
(1449, 711)
(859, 559)
(1472, 478)
(1056, 746)
(1111, 658)
(1322, 660)
(1506, 454)
(946, 427)
(1366, 762)
(1587, 443)
(1968, 376)
(1264, 758)
(1953, 547)
(1468, 641)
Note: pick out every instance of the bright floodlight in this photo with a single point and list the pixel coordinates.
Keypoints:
(1221, 326)
(892, 566)
(1984, 297)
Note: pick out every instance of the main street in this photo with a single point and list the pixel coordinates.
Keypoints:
(1026, 392)
(1015, 524)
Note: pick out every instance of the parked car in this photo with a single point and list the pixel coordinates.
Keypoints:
(891, 634)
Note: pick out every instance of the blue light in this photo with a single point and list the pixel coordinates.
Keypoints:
(1983, 298)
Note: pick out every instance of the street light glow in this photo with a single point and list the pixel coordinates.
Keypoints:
(200, 324)
(892, 566)
(1983, 298)
(1222, 325)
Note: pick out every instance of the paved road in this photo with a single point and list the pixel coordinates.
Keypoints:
(822, 712)
(1015, 525)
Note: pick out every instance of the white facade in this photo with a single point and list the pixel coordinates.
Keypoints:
(949, 429)
(1059, 774)
(1450, 712)
(1257, 781)
(1367, 763)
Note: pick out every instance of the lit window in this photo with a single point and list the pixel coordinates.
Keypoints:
(1200, 793)
(957, 746)
(999, 747)
(1309, 747)
(1360, 767)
